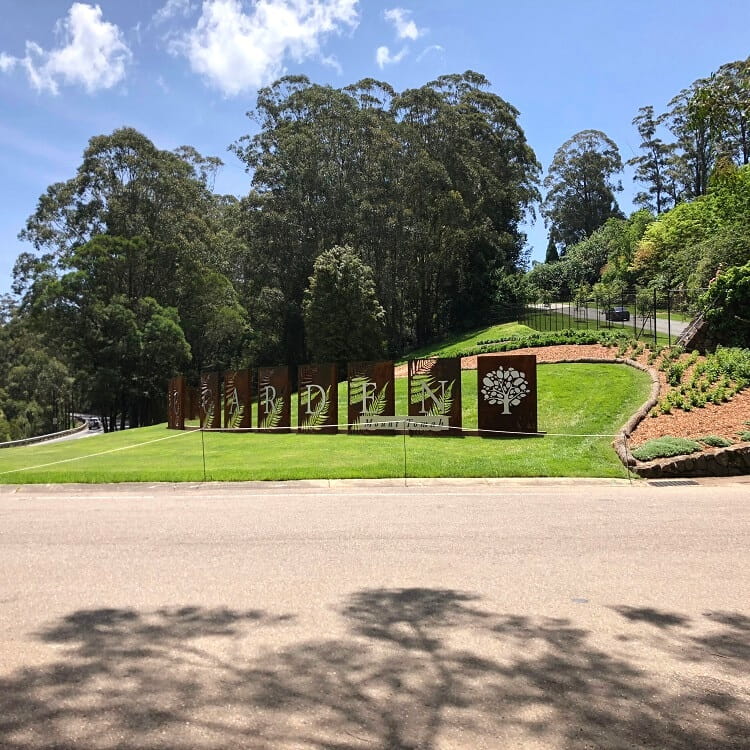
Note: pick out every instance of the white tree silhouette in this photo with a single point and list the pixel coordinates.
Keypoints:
(506, 387)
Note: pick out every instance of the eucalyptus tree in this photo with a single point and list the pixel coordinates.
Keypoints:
(470, 178)
(652, 166)
(120, 342)
(581, 188)
(430, 185)
(301, 203)
(694, 121)
(35, 384)
(134, 224)
(728, 92)
(126, 187)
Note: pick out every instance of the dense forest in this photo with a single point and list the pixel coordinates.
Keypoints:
(375, 221)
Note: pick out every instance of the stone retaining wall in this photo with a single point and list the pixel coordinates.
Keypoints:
(714, 462)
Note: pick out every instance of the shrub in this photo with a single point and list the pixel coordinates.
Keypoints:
(653, 354)
(675, 372)
(745, 436)
(665, 447)
(715, 441)
(727, 301)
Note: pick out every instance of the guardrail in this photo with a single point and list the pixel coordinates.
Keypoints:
(42, 438)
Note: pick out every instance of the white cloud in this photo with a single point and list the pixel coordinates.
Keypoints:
(332, 61)
(427, 50)
(405, 27)
(93, 55)
(384, 57)
(172, 9)
(7, 63)
(236, 50)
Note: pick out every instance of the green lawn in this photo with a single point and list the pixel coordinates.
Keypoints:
(579, 398)
(681, 317)
(452, 346)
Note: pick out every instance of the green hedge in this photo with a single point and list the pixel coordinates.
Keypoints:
(551, 338)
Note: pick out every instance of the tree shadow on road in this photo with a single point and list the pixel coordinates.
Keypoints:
(418, 668)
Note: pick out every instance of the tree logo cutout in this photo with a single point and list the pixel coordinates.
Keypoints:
(505, 387)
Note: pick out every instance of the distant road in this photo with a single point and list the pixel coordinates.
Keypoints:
(74, 436)
(677, 327)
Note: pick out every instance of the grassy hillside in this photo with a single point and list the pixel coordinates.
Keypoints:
(452, 346)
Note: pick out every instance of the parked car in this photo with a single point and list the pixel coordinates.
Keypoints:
(617, 313)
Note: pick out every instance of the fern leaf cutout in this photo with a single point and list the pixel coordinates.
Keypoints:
(273, 417)
(236, 419)
(444, 404)
(319, 415)
(357, 390)
(378, 403)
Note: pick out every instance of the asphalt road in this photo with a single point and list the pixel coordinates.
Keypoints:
(663, 325)
(514, 614)
(73, 436)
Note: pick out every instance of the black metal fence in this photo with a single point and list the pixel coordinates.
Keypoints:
(647, 315)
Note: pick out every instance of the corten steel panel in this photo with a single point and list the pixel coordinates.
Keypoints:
(176, 403)
(210, 408)
(371, 391)
(274, 398)
(435, 390)
(193, 402)
(317, 398)
(506, 392)
(238, 405)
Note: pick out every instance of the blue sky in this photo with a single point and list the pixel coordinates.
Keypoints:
(187, 71)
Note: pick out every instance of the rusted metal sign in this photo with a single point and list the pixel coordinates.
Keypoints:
(317, 398)
(274, 398)
(371, 394)
(435, 391)
(506, 393)
(210, 406)
(238, 404)
(176, 403)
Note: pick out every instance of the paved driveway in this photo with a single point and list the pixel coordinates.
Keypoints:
(499, 615)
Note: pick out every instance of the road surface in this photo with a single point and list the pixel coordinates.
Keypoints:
(73, 436)
(511, 614)
(662, 324)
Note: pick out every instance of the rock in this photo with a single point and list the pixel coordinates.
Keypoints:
(686, 466)
(722, 458)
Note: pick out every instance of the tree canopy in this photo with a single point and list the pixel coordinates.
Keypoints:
(401, 211)
(430, 185)
(580, 187)
(343, 318)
